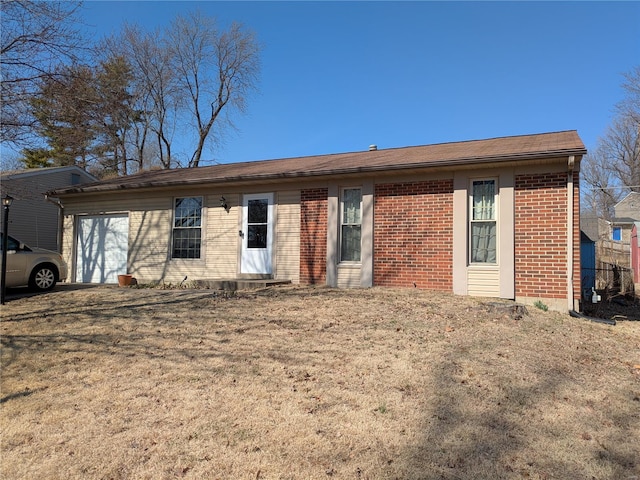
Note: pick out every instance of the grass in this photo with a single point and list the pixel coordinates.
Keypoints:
(311, 383)
(541, 305)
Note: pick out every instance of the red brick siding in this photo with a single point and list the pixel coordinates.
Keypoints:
(577, 278)
(541, 235)
(313, 236)
(413, 235)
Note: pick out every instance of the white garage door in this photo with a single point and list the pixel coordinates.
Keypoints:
(101, 249)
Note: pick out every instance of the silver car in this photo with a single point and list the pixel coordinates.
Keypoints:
(36, 268)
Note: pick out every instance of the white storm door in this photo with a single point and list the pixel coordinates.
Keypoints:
(257, 233)
(102, 248)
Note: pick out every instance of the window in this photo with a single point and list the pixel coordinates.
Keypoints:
(483, 221)
(350, 224)
(187, 224)
(616, 234)
(12, 243)
(257, 217)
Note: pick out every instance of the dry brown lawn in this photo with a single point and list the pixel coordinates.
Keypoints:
(311, 383)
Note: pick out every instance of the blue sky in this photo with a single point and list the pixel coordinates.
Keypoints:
(339, 76)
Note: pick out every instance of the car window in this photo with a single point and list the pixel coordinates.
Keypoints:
(12, 243)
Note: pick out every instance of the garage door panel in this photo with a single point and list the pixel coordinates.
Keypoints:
(102, 247)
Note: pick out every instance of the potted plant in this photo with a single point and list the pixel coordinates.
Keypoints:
(125, 280)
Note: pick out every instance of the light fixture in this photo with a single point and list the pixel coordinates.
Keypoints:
(223, 204)
(7, 200)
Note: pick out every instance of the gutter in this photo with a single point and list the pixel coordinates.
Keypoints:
(570, 204)
(298, 173)
(606, 321)
(58, 204)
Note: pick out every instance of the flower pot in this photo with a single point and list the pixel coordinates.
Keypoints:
(125, 280)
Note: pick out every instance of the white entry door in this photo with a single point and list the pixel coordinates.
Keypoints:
(257, 233)
(102, 248)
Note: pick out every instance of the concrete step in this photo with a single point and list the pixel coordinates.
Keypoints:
(231, 285)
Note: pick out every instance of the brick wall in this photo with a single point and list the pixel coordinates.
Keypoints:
(413, 235)
(541, 235)
(577, 278)
(313, 236)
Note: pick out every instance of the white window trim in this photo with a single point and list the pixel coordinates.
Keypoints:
(470, 221)
(341, 224)
(202, 230)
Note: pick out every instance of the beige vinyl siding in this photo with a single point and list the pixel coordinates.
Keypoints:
(67, 247)
(483, 281)
(149, 233)
(287, 239)
(117, 204)
(150, 258)
(149, 244)
(349, 276)
(150, 230)
(221, 238)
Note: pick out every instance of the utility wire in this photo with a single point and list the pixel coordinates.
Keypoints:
(609, 188)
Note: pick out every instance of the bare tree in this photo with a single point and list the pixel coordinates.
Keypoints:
(158, 84)
(630, 105)
(613, 169)
(140, 90)
(601, 190)
(154, 89)
(216, 70)
(35, 38)
(622, 140)
(621, 151)
(191, 74)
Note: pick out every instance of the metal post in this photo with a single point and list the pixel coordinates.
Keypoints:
(6, 203)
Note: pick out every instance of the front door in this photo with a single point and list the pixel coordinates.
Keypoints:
(257, 233)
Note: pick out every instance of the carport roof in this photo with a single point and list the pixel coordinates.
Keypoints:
(502, 149)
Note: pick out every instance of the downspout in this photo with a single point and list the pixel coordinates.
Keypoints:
(635, 266)
(58, 204)
(570, 205)
(606, 321)
(570, 246)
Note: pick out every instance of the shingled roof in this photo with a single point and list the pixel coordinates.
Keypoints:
(494, 150)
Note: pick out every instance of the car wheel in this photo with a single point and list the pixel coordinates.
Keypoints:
(43, 278)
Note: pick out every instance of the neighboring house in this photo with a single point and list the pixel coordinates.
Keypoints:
(625, 226)
(613, 252)
(612, 244)
(494, 218)
(628, 207)
(32, 219)
(626, 212)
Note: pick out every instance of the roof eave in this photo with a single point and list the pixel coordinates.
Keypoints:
(257, 178)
